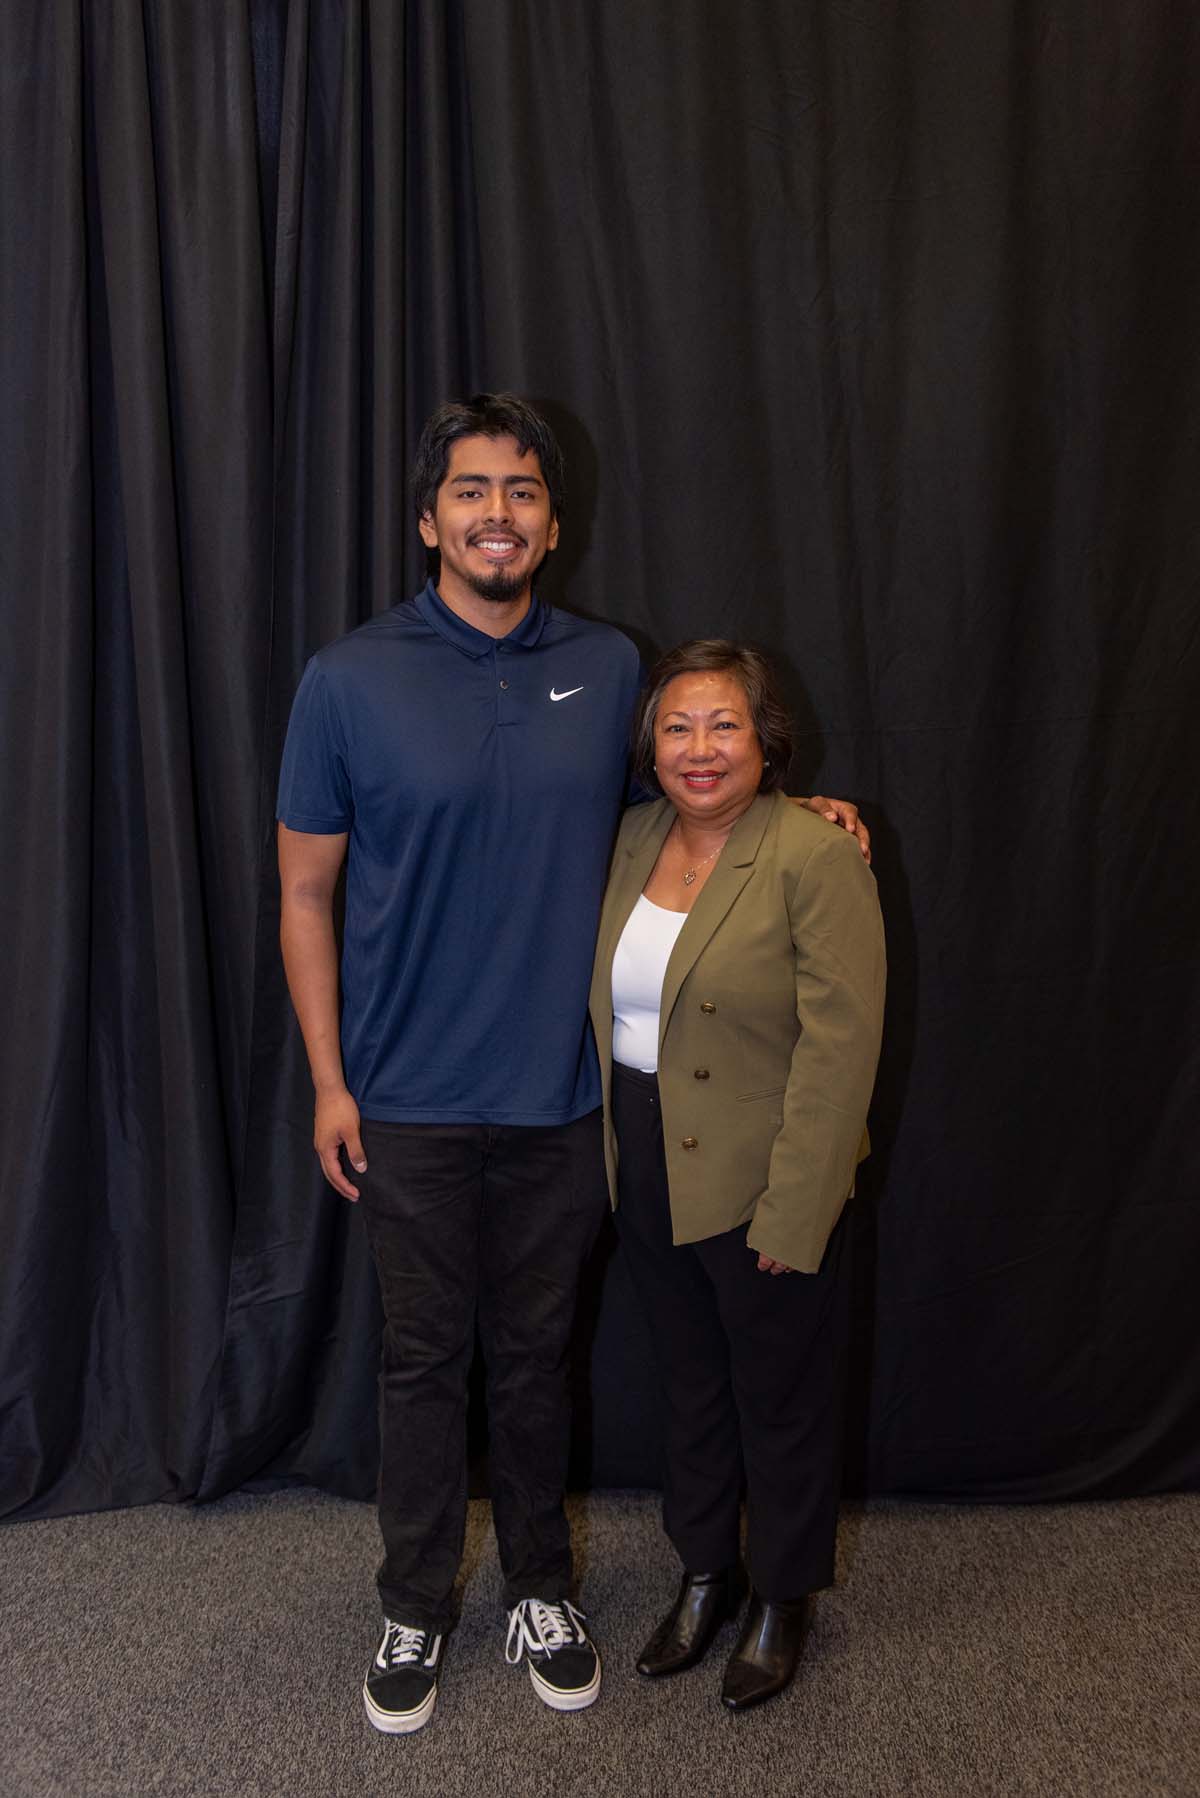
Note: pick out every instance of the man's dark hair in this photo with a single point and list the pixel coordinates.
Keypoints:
(484, 415)
(714, 655)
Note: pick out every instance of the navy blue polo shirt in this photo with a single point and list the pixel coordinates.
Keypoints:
(481, 781)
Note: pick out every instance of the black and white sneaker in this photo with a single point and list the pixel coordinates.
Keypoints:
(563, 1663)
(400, 1689)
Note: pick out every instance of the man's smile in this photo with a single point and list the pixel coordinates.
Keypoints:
(497, 546)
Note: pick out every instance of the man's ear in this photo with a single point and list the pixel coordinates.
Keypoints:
(428, 530)
(552, 535)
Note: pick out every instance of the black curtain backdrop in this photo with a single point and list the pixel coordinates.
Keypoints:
(871, 334)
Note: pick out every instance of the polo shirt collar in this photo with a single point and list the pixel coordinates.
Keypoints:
(464, 636)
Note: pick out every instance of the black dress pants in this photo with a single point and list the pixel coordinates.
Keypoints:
(753, 1374)
(468, 1220)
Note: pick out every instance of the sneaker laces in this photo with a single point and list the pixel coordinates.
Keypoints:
(402, 1645)
(539, 1628)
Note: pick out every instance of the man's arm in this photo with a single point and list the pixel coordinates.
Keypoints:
(308, 871)
(841, 811)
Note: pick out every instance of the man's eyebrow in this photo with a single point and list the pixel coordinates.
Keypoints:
(510, 480)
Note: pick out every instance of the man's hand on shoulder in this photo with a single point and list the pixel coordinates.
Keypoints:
(840, 811)
(335, 1125)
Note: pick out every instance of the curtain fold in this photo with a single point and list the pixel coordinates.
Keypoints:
(47, 649)
(158, 376)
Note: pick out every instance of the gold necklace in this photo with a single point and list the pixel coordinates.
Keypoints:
(690, 877)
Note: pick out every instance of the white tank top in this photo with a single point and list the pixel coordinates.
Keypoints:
(637, 980)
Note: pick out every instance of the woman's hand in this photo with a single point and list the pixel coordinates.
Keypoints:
(767, 1266)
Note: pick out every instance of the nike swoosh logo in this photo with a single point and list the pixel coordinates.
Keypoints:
(565, 695)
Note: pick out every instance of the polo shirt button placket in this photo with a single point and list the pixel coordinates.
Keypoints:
(503, 706)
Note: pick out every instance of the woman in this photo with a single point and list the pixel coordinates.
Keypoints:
(737, 1001)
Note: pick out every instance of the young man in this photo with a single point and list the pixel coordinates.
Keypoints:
(469, 749)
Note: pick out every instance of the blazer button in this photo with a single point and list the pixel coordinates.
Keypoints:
(700, 1074)
(689, 1142)
(707, 1006)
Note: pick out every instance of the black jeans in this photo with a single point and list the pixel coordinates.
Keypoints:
(753, 1373)
(468, 1220)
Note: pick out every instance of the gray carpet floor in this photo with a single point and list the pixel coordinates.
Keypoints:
(1048, 1650)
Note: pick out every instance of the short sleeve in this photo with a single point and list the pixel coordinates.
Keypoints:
(314, 781)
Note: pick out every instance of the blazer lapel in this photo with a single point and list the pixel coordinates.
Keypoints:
(627, 876)
(733, 870)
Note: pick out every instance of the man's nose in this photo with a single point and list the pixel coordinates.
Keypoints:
(499, 506)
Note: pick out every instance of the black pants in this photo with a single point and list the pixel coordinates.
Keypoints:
(753, 1373)
(493, 1221)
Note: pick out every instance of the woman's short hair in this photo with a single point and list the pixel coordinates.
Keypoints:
(715, 655)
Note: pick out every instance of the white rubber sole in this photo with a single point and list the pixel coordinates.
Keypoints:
(402, 1723)
(566, 1701)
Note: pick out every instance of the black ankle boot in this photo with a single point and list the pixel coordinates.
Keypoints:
(685, 1634)
(768, 1651)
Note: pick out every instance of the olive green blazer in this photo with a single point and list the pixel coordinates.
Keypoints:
(772, 1009)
